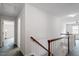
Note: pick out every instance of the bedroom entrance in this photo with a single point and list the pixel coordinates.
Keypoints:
(8, 33)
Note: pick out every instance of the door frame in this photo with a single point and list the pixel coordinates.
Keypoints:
(2, 31)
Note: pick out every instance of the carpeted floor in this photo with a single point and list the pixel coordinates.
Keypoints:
(75, 51)
(9, 49)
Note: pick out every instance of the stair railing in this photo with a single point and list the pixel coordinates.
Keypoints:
(40, 44)
(56, 39)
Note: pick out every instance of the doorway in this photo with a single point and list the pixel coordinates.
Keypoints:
(8, 36)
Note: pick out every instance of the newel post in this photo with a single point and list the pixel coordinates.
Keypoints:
(68, 42)
(48, 47)
(68, 45)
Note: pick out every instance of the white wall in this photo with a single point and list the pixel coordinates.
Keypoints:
(36, 26)
(42, 26)
(22, 29)
(19, 24)
(55, 27)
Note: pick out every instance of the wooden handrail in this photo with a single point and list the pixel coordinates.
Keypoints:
(40, 44)
(49, 41)
(56, 39)
(59, 37)
(52, 40)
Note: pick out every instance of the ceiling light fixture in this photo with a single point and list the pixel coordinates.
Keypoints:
(72, 15)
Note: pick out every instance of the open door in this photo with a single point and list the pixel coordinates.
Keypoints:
(7, 33)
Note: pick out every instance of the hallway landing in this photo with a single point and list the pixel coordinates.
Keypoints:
(75, 51)
(9, 49)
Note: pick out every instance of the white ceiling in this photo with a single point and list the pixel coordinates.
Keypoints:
(58, 9)
(10, 9)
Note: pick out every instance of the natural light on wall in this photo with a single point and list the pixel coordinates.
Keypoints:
(8, 29)
(8, 22)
